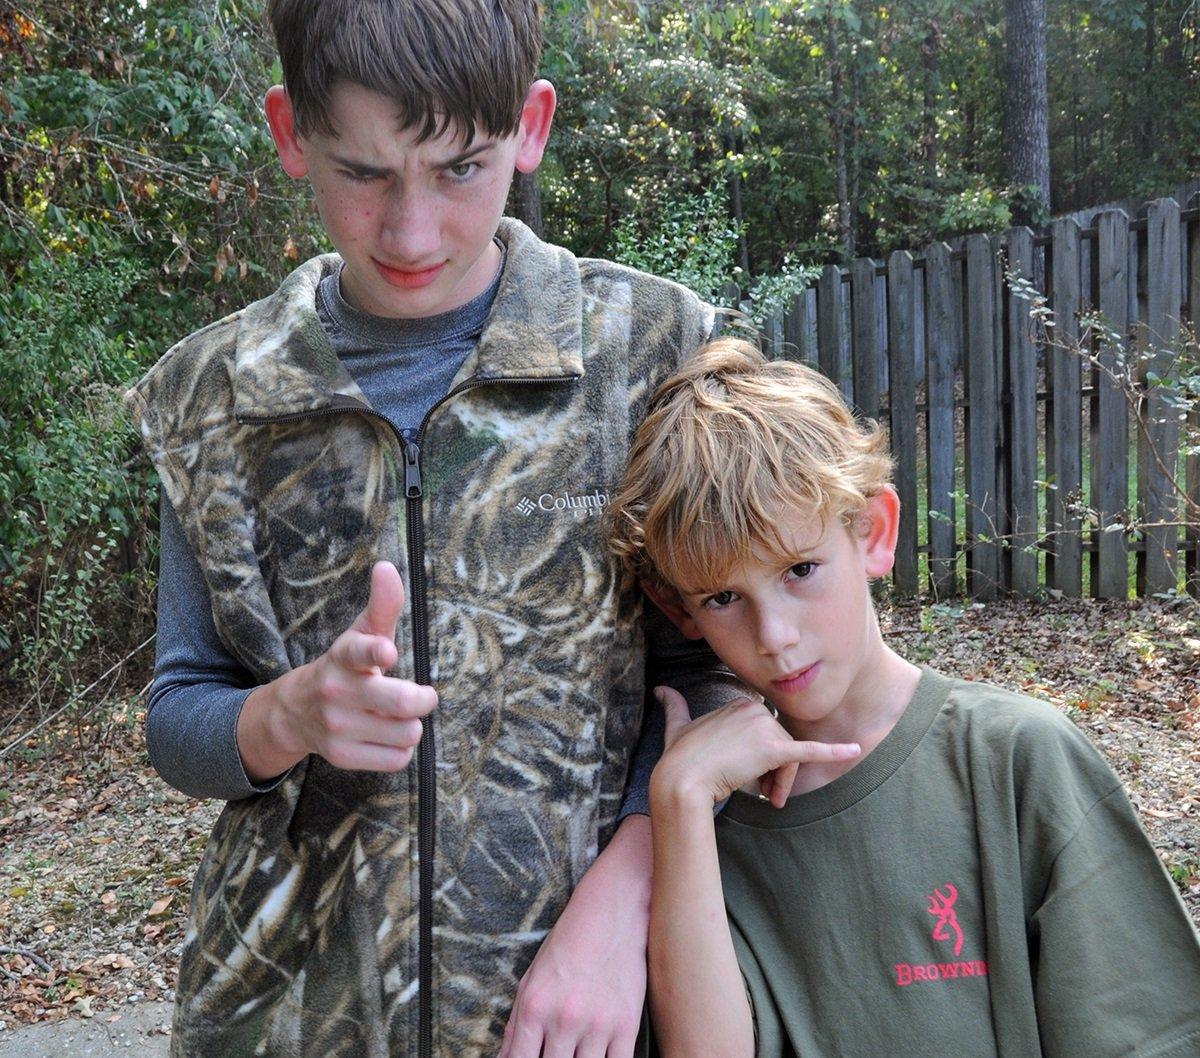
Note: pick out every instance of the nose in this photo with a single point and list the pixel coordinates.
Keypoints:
(411, 230)
(777, 628)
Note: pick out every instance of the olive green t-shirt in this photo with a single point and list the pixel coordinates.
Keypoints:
(977, 885)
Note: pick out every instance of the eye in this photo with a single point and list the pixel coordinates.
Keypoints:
(357, 178)
(719, 600)
(802, 570)
(463, 171)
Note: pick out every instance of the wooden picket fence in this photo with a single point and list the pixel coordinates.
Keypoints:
(1029, 466)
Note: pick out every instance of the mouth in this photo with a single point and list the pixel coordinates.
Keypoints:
(408, 278)
(798, 680)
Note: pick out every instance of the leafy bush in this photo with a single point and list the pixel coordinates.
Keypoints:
(975, 209)
(772, 294)
(70, 491)
(688, 238)
(141, 200)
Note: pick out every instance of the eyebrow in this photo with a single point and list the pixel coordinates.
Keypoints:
(362, 169)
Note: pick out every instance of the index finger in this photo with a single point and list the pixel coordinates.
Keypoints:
(822, 752)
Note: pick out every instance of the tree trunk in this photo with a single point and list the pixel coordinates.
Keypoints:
(838, 123)
(529, 201)
(1026, 140)
(931, 46)
(853, 147)
(735, 206)
(1144, 128)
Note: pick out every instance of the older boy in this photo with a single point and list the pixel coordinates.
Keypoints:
(943, 868)
(428, 420)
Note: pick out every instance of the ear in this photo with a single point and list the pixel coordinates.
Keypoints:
(536, 114)
(879, 526)
(281, 118)
(668, 600)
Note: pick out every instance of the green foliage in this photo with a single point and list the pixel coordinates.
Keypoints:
(65, 324)
(69, 487)
(772, 294)
(975, 209)
(140, 200)
(689, 238)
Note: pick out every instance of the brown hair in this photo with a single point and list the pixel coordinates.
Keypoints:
(444, 63)
(730, 441)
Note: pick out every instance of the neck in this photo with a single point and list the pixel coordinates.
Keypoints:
(870, 709)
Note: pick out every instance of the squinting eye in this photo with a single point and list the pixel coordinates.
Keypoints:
(719, 599)
(802, 569)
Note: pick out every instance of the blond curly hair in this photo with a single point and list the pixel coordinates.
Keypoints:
(731, 442)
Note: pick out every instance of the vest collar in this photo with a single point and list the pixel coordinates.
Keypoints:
(284, 364)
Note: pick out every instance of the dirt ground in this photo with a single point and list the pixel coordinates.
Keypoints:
(98, 854)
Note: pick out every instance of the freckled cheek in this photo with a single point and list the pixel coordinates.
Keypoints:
(352, 219)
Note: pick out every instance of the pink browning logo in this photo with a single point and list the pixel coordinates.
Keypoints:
(941, 906)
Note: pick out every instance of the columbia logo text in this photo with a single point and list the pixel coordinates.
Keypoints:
(586, 503)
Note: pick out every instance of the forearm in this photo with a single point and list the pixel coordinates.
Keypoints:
(623, 867)
(586, 988)
(191, 737)
(696, 989)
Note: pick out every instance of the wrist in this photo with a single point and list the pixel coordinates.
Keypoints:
(673, 792)
(266, 736)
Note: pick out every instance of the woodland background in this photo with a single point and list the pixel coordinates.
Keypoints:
(141, 198)
(709, 141)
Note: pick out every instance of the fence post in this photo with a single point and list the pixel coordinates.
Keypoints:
(771, 337)
(731, 295)
(1110, 410)
(1192, 558)
(1064, 419)
(902, 405)
(940, 360)
(864, 354)
(983, 567)
(795, 328)
(1022, 381)
(1158, 447)
(829, 322)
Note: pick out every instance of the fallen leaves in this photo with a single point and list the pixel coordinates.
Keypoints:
(101, 861)
(93, 865)
(159, 907)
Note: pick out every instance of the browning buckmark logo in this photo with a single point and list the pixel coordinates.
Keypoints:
(946, 930)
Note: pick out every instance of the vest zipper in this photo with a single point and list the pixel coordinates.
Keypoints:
(427, 747)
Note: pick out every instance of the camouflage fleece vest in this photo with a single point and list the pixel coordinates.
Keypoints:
(307, 935)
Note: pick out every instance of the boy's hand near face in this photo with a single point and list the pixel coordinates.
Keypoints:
(705, 760)
(341, 706)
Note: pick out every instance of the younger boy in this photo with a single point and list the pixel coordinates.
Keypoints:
(933, 867)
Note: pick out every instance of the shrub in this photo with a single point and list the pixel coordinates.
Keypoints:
(73, 493)
(689, 238)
